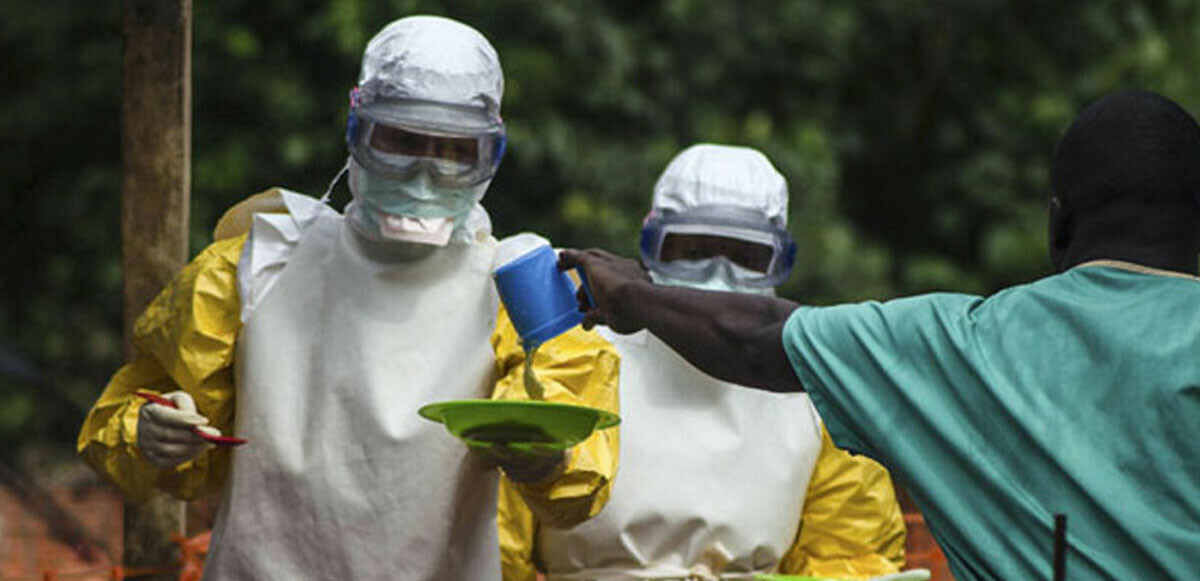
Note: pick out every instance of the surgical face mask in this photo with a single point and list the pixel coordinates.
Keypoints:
(413, 210)
(723, 276)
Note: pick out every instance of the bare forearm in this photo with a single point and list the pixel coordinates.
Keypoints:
(734, 337)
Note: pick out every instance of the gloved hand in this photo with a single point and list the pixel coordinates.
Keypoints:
(164, 435)
(909, 575)
(526, 467)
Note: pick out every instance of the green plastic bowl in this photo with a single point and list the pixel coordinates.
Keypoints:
(521, 425)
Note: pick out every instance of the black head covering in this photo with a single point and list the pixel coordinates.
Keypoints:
(1134, 146)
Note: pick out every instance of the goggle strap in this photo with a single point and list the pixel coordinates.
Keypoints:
(789, 255)
(352, 123)
(649, 243)
(498, 149)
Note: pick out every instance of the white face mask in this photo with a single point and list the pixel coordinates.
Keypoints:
(722, 279)
(412, 210)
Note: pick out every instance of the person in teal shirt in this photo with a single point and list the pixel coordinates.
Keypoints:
(1076, 394)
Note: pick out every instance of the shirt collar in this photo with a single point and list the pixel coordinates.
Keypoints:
(1134, 267)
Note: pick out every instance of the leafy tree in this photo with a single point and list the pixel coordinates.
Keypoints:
(916, 136)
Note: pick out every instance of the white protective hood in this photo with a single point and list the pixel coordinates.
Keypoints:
(722, 175)
(432, 59)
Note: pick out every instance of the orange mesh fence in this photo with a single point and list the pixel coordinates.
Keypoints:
(921, 551)
(28, 552)
(191, 566)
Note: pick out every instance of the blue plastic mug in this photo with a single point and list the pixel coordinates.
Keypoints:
(539, 297)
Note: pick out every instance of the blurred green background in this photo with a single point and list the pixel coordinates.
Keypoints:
(915, 135)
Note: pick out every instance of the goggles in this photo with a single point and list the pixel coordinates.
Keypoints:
(691, 245)
(457, 147)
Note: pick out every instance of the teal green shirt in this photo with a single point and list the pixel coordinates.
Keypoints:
(1077, 394)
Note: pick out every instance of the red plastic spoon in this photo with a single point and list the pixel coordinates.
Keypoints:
(218, 440)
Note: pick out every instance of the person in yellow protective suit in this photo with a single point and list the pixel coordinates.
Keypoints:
(716, 482)
(317, 336)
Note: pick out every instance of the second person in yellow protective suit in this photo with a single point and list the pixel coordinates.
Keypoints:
(318, 335)
(716, 482)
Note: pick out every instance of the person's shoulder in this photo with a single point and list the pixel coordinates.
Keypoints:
(1051, 285)
(275, 204)
(224, 252)
(937, 300)
(1124, 275)
(902, 306)
(942, 314)
(269, 226)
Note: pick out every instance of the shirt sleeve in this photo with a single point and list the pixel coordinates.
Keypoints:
(581, 368)
(185, 341)
(518, 535)
(873, 369)
(852, 526)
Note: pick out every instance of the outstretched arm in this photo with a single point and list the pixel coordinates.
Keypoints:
(734, 337)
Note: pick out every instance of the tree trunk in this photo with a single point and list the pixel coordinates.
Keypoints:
(156, 131)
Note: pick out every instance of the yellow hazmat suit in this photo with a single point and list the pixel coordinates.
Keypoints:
(717, 482)
(188, 339)
(851, 527)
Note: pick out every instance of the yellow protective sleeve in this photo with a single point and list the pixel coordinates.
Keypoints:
(852, 526)
(518, 536)
(185, 341)
(578, 367)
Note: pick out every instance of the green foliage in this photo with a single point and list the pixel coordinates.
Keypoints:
(915, 134)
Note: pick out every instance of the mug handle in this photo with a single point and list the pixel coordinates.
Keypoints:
(583, 284)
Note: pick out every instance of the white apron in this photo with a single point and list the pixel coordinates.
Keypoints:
(341, 478)
(712, 478)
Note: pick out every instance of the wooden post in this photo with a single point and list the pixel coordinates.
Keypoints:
(156, 129)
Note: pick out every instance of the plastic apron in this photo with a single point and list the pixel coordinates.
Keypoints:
(342, 479)
(712, 480)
